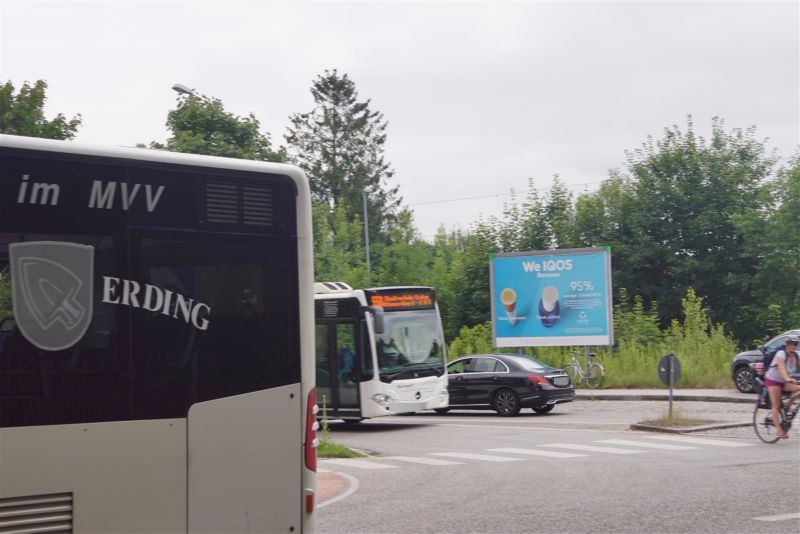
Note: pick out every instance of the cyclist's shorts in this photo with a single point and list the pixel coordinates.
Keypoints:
(771, 382)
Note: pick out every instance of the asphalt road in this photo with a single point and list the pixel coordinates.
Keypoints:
(578, 469)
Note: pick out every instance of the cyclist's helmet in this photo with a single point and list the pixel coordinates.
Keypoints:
(792, 339)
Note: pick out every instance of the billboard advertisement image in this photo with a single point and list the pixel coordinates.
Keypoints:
(552, 298)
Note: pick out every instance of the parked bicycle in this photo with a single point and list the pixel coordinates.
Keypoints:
(762, 416)
(592, 375)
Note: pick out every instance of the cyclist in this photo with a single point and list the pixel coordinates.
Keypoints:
(777, 379)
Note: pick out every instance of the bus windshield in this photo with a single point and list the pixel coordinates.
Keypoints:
(411, 345)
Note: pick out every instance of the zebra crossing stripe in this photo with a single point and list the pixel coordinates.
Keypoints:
(473, 456)
(591, 448)
(360, 464)
(701, 441)
(631, 443)
(782, 517)
(420, 460)
(538, 452)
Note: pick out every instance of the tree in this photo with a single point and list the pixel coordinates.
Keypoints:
(407, 259)
(560, 215)
(772, 236)
(200, 125)
(533, 230)
(23, 113)
(339, 144)
(338, 247)
(674, 221)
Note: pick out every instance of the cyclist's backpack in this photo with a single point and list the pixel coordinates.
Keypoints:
(769, 357)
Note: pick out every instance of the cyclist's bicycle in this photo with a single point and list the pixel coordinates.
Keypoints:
(762, 418)
(591, 376)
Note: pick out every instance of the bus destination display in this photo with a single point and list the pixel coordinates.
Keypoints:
(407, 300)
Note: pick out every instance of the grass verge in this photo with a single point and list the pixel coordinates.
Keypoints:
(328, 449)
(678, 419)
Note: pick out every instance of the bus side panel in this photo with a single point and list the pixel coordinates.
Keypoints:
(246, 462)
(124, 477)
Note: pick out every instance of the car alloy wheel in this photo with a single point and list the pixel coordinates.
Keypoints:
(743, 378)
(506, 403)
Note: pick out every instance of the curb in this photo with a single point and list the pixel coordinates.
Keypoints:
(688, 429)
(659, 397)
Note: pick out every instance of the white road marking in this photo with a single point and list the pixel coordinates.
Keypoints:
(782, 517)
(420, 460)
(472, 456)
(538, 452)
(701, 441)
(360, 464)
(591, 448)
(548, 428)
(631, 443)
(444, 420)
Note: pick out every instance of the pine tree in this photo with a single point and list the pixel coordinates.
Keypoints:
(340, 144)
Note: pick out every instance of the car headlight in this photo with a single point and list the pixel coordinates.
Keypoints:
(382, 399)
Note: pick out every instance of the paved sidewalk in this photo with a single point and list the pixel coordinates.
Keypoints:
(330, 485)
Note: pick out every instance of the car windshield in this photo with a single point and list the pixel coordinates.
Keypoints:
(530, 364)
(411, 341)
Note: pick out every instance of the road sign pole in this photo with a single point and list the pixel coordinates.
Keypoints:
(669, 371)
(671, 381)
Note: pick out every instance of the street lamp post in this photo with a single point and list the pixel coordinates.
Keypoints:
(182, 89)
(366, 232)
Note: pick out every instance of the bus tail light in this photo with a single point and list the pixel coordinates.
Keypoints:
(311, 430)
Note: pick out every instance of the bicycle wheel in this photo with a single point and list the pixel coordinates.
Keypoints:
(573, 372)
(594, 375)
(763, 425)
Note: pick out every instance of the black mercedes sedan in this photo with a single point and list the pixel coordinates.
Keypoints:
(506, 383)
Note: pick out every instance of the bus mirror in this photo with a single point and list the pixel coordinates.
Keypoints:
(377, 317)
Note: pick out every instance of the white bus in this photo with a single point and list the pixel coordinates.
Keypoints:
(379, 351)
(156, 366)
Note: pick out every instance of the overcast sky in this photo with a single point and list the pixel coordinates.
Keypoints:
(479, 96)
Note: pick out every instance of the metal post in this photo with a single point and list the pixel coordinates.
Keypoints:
(671, 381)
(366, 232)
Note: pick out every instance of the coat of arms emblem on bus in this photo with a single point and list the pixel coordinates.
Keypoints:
(52, 291)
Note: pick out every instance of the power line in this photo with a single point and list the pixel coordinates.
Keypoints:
(495, 195)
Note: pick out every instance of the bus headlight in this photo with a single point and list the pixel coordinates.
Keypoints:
(382, 399)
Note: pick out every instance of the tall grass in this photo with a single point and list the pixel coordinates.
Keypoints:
(703, 348)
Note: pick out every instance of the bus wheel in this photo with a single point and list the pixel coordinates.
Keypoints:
(351, 421)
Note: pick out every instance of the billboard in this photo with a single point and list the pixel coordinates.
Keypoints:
(552, 298)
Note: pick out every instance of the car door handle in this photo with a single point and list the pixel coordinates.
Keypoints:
(495, 379)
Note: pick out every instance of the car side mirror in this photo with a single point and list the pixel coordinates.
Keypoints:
(377, 317)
